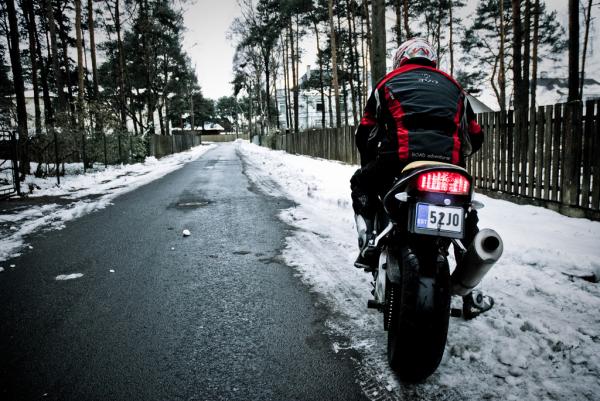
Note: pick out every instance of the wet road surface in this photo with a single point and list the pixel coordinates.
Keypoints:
(214, 316)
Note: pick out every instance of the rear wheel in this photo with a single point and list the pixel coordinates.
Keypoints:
(418, 315)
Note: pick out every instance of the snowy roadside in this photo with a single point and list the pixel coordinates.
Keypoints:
(540, 342)
(79, 194)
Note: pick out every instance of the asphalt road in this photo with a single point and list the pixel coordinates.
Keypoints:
(214, 316)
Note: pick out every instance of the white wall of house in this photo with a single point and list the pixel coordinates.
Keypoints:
(309, 110)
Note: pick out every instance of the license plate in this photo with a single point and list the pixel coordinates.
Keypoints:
(439, 218)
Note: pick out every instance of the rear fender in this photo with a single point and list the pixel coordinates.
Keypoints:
(393, 268)
(425, 273)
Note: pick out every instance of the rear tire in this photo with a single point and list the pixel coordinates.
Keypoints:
(419, 315)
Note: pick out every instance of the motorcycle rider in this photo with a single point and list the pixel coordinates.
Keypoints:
(416, 112)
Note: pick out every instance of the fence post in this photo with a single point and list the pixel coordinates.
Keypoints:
(596, 160)
(587, 154)
(556, 145)
(547, 150)
(539, 153)
(485, 156)
(531, 152)
(570, 153)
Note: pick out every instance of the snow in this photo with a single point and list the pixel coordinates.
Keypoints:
(541, 341)
(63, 277)
(186, 233)
(80, 194)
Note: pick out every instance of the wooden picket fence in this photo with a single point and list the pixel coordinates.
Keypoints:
(550, 157)
(328, 143)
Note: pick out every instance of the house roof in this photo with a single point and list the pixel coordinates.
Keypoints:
(213, 127)
(477, 105)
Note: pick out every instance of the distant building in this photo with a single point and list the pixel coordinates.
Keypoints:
(310, 110)
(310, 107)
(556, 90)
(207, 129)
(211, 129)
(30, 107)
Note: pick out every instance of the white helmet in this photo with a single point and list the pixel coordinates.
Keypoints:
(415, 49)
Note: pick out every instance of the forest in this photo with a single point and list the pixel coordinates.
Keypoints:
(501, 43)
(106, 75)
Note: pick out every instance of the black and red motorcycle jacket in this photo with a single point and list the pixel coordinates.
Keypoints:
(418, 112)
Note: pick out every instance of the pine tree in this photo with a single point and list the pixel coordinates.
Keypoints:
(490, 41)
(17, 72)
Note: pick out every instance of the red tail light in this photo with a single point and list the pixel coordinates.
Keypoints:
(444, 181)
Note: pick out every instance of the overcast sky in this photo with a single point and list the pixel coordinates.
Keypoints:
(207, 23)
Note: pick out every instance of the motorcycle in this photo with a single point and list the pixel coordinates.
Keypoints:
(426, 211)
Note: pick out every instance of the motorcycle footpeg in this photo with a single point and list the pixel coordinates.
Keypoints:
(373, 304)
(475, 304)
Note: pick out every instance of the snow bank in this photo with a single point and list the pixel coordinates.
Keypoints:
(540, 342)
(84, 194)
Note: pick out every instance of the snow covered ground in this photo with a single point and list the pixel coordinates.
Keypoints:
(540, 342)
(78, 195)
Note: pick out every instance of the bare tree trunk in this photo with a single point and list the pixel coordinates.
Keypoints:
(80, 87)
(364, 49)
(438, 31)
(286, 83)
(585, 43)
(357, 59)
(294, 74)
(342, 67)
(351, 48)
(321, 83)
(17, 69)
(369, 39)
(493, 79)
(58, 78)
(96, 114)
(406, 27)
(517, 55)
(148, 89)
(49, 13)
(336, 89)
(29, 15)
(64, 42)
(526, 53)
(297, 76)
(573, 50)
(398, 26)
(536, 40)
(378, 69)
(160, 119)
(330, 104)
(501, 56)
(451, 39)
(266, 62)
(275, 69)
(44, 69)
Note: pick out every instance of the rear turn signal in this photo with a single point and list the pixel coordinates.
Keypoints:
(444, 181)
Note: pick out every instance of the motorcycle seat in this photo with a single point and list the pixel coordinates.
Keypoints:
(429, 163)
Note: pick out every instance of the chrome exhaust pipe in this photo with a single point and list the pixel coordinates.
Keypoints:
(479, 258)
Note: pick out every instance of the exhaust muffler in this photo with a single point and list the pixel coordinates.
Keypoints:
(484, 251)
